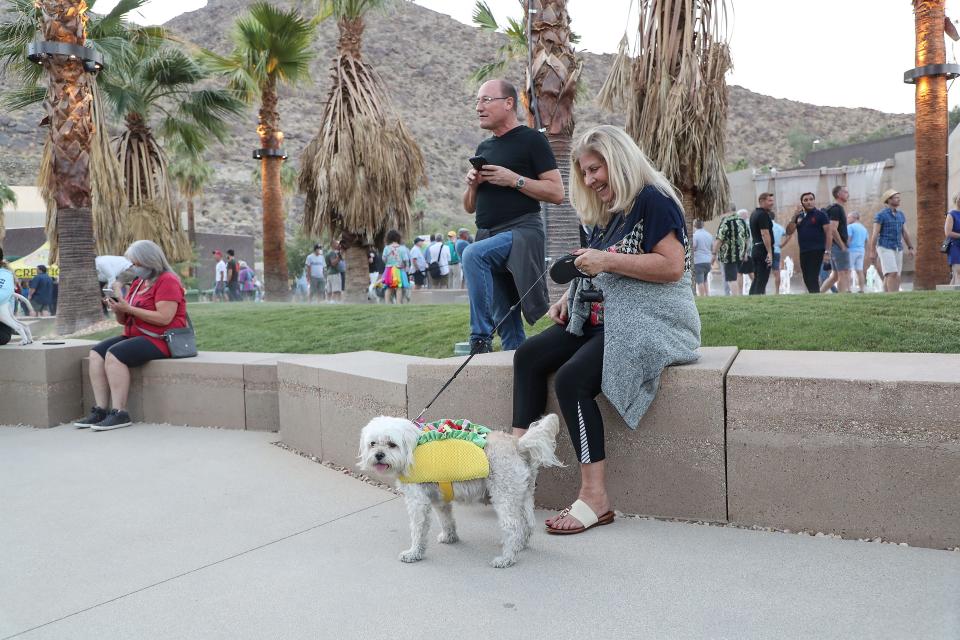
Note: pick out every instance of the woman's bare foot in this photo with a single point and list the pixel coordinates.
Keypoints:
(598, 502)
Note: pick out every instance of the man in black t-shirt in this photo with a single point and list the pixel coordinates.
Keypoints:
(839, 252)
(508, 256)
(761, 235)
(233, 277)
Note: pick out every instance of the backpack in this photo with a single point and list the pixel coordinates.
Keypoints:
(434, 266)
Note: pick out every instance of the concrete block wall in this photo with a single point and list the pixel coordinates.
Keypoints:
(672, 465)
(326, 400)
(859, 444)
(215, 389)
(41, 383)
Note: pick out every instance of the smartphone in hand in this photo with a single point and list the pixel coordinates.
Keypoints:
(110, 293)
(478, 161)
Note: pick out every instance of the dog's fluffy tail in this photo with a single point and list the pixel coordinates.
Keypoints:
(539, 443)
(25, 301)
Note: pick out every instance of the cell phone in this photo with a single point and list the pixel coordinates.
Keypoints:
(110, 293)
(478, 161)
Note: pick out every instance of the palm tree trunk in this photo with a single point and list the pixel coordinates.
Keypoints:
(555, 71)
(191, 222)
(274, 245)
(562, 221)
(931, 142)
(69, 106)
(354, 247)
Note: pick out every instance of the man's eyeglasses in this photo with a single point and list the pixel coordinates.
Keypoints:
(488, 99)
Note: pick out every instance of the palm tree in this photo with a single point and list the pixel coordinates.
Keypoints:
(7, 196)
(931, 140)
(68, 106)
(191, 173)
(155, 88)
(361, 172)
(554, 72)
(271, 47)
(675, 95)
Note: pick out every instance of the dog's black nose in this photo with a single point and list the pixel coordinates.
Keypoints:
(380, 456)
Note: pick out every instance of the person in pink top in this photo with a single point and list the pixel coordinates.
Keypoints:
(155, 303)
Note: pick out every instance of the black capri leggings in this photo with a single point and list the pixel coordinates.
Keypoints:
(810, 263)
(578, 362)
(133, 352)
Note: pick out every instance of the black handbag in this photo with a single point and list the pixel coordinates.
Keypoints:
(182, 342)
(945, 247)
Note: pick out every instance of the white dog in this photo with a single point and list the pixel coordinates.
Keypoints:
(7, 318)
(386, 449)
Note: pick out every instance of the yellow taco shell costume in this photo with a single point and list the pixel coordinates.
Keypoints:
(449, 451)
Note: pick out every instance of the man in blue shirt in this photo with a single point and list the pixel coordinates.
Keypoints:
(857, 247)
(41, 292)
(887, 240)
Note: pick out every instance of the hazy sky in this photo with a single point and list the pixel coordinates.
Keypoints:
(848, 53)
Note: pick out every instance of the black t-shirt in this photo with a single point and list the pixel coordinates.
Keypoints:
(524, 151)
(233, 274)
(375, 262)
(760, 220)
(836, 213)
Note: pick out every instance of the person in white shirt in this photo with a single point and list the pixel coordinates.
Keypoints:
(418, 264)
(439, 252)
(220, 282)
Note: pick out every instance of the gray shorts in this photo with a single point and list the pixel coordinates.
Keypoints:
(702, 271)
(839, 259)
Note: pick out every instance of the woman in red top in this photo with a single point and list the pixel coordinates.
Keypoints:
(154, 303)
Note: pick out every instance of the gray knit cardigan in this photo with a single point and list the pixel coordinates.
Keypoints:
(647, 326)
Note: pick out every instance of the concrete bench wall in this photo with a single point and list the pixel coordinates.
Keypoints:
(326, 400)
(215, 389)
(859, 444)
(41, 383)
(672, 465)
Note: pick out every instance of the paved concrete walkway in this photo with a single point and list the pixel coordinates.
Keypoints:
(170, 532)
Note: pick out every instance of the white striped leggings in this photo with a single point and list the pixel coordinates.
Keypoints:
(578, 362)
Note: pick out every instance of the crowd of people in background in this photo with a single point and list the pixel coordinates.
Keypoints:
(836, 251)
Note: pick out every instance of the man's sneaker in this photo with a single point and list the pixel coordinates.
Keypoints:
(96, 415)
(480, 345)
(114, 420)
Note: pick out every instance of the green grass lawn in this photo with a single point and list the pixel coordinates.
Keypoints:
(906, 322)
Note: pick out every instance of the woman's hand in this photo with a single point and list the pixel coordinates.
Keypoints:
(590, 261)
(559, 310)
(118, 306)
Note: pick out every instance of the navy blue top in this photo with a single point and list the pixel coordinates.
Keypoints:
(659, 215)
(810, 234)
(42, 289)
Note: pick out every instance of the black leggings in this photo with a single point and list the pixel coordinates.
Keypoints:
(578, 362)
(133, 352)
(810, 262)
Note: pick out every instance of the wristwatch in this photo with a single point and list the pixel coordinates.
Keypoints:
(520, 182)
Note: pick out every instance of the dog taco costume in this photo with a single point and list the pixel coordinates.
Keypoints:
(449, 451)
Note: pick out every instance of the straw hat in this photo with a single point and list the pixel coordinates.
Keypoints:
(889, 193)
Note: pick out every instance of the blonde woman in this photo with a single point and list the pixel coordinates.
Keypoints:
(638, 255)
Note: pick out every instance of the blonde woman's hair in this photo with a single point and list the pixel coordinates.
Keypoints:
(628, 172)
(956, 199)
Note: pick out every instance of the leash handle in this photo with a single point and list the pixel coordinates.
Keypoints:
(419, 418)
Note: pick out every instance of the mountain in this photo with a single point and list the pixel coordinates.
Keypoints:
(425, 59)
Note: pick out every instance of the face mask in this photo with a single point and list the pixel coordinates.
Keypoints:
(141, 272)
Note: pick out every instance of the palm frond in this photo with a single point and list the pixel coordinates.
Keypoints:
(23, 97)
(483, 17)
(488, 71)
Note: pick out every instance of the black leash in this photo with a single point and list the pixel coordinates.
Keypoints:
(473, 353)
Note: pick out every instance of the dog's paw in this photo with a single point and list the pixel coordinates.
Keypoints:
(411, 555)
(25, 342)
(448, 537)
(502, 562)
